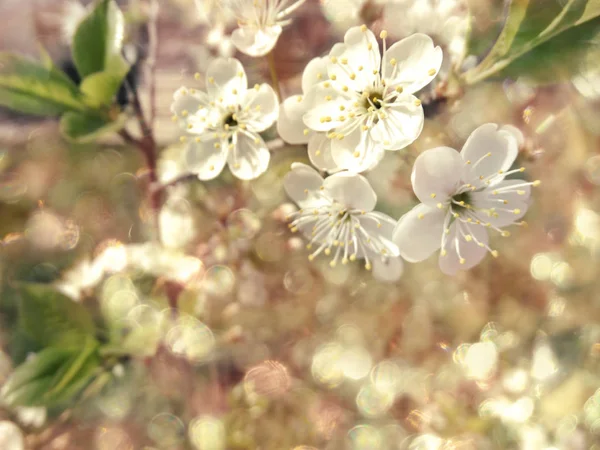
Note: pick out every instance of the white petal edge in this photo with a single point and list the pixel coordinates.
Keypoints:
(300, 179)
(204, 159)
(319, 153)
(389, 270)
(351, 190)
(418, 233)
(265, 99)
(501, 146)
(226, 79)
(249, 158)
(469, 251)
(436, 174)
(255, 41)
(290, 125)
(418, 62)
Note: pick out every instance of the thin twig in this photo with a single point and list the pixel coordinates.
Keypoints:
(274, 77)
(178, 180)
(152, 52)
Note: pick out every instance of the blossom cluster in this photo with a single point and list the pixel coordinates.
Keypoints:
(357, 103)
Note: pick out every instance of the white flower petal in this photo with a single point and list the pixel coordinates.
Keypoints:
(388, 270)
(504, 214)
(290, 125)
(357, 60)
(186, 104)
(351, 190)
(249, 157)
(256, 41)
(380, 227)
(516, 133)
(11, 437)
(300, 181)
(323, 107)
(226, 79)
(263, 107)
(356, 152)
(319, 152)
(501, 146)
(314, 73)
(204, 159)
(417, 63)
(403, 124)
(469, 252)
(436, 175)
(419, 232)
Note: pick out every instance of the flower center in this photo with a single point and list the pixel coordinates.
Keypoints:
(230, 121)
(374, 99)
(461, 202)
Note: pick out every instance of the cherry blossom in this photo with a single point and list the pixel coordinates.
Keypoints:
(336, 216)
(222, 124)
(260, 23)
(463, 196)
(362, 100)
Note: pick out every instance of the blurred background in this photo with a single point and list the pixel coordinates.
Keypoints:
(267, 350)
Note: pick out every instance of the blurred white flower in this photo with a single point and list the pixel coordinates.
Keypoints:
(84, 276)
(363, 101)
(260, 23)
(73, 13)
(291, 128)
(223, 123)
(337, 217)
(154, 259)
(11, 437)
(445, 20)
(463, 194)
(343, 14)
(31, 416)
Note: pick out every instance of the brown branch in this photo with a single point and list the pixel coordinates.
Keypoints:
(152, 52)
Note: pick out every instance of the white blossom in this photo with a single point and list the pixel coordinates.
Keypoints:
(34, 416)
(11, 437)
(361, 100)
(445, 20)
(463, 195)
(337, 218)
(223, 123)
(260, 23)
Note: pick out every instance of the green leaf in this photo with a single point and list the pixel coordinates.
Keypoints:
(485, 25)
(25, 382)
(100, 88)
(98, 41)
(53, 376)
(572, 52)
(52, 319)
(33, 88)
(534, 23)
(86, 127)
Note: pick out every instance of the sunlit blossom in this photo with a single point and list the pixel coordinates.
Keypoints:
(463, 195)
(223, 123)
(260, 22)
(362, 100)
(337, 217)
(11, 436)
